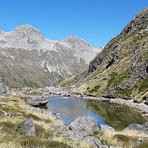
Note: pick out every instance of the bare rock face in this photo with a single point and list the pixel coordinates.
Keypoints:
(24, 36)
(28, 59)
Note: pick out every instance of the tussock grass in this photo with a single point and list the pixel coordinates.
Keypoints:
(10, 136)
(125, 139)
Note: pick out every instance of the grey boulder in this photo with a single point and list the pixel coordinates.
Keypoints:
(106, 128)
(3, 88)
(26, 128)
(37, 101)
(84, 123)
(137, 127)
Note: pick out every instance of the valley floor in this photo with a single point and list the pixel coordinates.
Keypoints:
(14, 110)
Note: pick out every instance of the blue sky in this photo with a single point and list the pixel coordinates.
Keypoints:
(96, 21)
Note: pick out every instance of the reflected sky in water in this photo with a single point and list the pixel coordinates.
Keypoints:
(116, 116)
(71, 109)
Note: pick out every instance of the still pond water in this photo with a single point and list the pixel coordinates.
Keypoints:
(114, 115)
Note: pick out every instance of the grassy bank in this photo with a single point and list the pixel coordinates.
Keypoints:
(9, 136)
(18, 111)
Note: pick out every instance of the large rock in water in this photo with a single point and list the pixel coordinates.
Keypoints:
(27, 128)
(84, 123)
(3, 88)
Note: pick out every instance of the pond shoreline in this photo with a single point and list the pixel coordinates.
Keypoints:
(60, 92)
(143, 108)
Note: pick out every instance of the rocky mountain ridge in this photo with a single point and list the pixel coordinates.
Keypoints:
(27, 58)
(121, 69)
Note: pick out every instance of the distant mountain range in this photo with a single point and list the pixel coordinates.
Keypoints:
(27, 58)
(121, 69)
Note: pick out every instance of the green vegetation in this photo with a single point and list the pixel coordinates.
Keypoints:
(34, 92)
(115, 115)
(71, 81)
(143, 145)
(116, 79)
(126, 77)
(10, 136)
(124, 139)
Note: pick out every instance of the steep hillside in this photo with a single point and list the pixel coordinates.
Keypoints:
(28, 59)
(121, 69)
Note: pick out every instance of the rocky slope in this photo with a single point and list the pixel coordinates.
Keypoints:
(121, 69)
(27, 58)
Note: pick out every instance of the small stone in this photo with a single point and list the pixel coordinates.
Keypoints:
(3, 88)
(26, 128)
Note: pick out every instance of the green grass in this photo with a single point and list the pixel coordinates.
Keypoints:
(143, 145)
(11, 136)
(125, 140)
(73, 80)
(116, 79)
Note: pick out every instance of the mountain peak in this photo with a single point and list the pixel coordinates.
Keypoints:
(24, 36)
(138, 23)
(75, 40)
(26, 27)
(29, 32)
(72, 38)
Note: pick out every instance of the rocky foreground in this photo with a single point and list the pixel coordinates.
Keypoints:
(83, 132)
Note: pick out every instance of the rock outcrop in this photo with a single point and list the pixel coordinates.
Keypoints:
(79, 130)
(121, 69)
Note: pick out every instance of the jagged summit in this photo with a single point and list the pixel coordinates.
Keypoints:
(37, 61)
(76, 42)
(29, 32)
(24, 36)
(24, 27)
(138, 24)
(74, 39)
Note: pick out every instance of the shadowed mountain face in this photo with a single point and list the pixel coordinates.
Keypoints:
(28, 59)
(121, 69)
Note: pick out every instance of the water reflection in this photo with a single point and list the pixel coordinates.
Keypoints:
(114, 115)
(117, 116)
